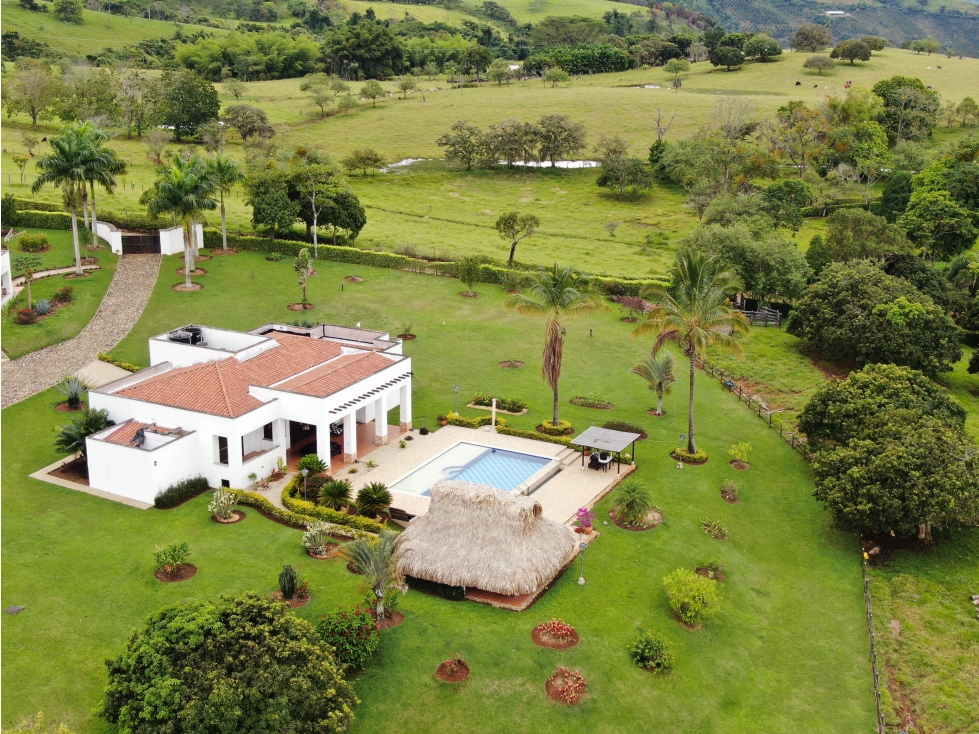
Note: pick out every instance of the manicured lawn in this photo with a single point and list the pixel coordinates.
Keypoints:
(788, 651)
(18, 340)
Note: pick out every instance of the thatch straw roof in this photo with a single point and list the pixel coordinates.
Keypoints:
(479, 536)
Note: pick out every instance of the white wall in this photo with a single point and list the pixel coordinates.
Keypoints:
(137, 473)
(172, 240)
(111, 234)
(5, 279)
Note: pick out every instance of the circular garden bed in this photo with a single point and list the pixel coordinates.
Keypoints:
(195, 271)
(181, 288)
(182, 572)
(555, 634)
(653, 518)
(299, 600)
(511, 364)
(301, 307)
(236, 516)
(566, 686)
(455, 670)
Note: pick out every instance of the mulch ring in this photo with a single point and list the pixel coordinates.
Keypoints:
(195, 271)
(236, 516)
(542, 639)
(393, 620)
(511, 364)
(181, 288)
(653, 518)
(697, 627)
(652, 412)
(739, 465)
(729, 497)
(407, 337)
(201, 259)
(301, 307)
(65, 408)
(219, 251)
(629, 319)
(75, 470)
(453, 671)
(183, 572)
(467, 294)
(566, 686)
(673, 455)
(72, 276)
(354, 279)
(299, 600)
(328, 556)
(718, 577)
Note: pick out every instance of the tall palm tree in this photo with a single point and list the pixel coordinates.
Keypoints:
(377, 560)
(105, 160)
(695, 313)
(72, 162)
(227, 174)
(183, 190)
(553, 294)
(660, 373)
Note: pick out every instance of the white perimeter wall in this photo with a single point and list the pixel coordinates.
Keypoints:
(172, 240)
(110, 234)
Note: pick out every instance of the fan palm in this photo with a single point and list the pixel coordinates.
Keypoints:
(183, 190)
(376, 560)
(660, 373)
(71, 439)
(73, 161)
(695, 313)
(633, 501)
(227, 174)
(553, 294)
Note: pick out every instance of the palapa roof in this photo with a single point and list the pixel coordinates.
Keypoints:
(478, 536)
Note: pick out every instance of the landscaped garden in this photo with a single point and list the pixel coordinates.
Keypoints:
(788, 647)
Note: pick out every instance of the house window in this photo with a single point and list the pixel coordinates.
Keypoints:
(267, 431)
(222, 450)
(226, 483)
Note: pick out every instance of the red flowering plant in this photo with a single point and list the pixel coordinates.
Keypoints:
(568, 685)
(556, 629)
(353, 635)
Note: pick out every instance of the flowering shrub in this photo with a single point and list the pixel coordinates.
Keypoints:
(649, 653)
(25, 316)
(556, 629)
(585, 517)
(569, 685)
(512, 405)
(352, 634)
(63, 295)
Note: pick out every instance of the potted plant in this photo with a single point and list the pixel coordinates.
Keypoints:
(585, 519)
(443, 420)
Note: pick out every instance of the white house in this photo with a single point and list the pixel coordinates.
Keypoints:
(6, 282)
(227, 404)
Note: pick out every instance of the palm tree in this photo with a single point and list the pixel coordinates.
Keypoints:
(553, 294)
(633, 501)
(695, 313)
(105, 160)
(74, 161)
(71, 439)
(660, 373)
(227, 174)
(377, 560)
(183, 190)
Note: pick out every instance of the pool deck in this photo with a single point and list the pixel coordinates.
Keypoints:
(560, 497)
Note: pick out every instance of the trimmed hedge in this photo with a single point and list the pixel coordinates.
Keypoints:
(34, 219)
(455, 419)
(251, 499)
(180, 492)
(133, 221)
(292, 502)
(128, 366)
(520, 433)
(37, 206)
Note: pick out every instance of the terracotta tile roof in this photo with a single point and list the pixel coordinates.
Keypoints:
(126, 432)
(336, 375)
(221, 387)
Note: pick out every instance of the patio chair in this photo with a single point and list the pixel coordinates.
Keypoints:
(604, 460)
(593, 461)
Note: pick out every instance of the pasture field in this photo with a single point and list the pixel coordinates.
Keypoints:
(771, 661)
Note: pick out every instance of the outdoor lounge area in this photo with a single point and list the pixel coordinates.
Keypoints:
(607, 446)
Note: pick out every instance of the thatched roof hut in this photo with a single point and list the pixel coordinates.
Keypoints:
(478, 536)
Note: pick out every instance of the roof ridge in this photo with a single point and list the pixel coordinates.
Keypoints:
(224, 390)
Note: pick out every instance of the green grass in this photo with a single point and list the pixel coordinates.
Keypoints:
(926, 629)
(17, 339)
(787, 652)
(98, 31)
(965, 388)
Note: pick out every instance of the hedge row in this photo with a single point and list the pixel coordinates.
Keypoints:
(133, 221)
(519, 432)
(180, 492)
(484, 420)
(36, 206)
(128, 366)
(292, 502)
(579, 59)
(251, 499)
(34, 219)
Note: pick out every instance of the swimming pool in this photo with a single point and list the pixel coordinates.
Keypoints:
(470, 462)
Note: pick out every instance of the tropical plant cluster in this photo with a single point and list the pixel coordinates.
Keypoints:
(511, 405)
(352, 635)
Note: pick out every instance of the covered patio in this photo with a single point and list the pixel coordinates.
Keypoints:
(366, 433)
(607, 442)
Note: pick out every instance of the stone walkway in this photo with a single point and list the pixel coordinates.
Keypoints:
(122, 306)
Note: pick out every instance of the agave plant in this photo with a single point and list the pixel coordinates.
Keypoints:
(634, 500)
(42, 307)
(73, 387)
(373, 499)
(336, 494)
(317, 538)
(223, 504)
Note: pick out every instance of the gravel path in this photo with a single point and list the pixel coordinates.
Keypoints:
(122, 306)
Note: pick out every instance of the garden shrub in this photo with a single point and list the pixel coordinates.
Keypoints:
(104, 357)
(455, 419)
(288, 581)
(36, 206)
(180, 492)
(305, 512)
(63, 295)
(699, 457)
(286, 517)
(25, 317)
(192, 659)
(513, 405)
(692, 598)
(8, 211)
(313, 463)
(43, 220)
(625, 427)
(562, 428)
(373, 499)
(563, 440)
(650, 653)
(170, 558)
(223, 504)
(33, 242)
(353, 635)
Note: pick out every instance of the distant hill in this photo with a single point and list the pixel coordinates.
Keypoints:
(957, 27)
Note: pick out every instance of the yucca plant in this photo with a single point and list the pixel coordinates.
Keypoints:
(223, 504)
(73, 387)
(288, 581)
(373, 499)
(336, 494)
(634, 501)
(317, 538)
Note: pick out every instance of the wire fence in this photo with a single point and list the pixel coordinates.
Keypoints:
(799, 444)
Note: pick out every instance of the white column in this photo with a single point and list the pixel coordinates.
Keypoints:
(381, 419)
(405, 407)
(323, 441)
(350, 438)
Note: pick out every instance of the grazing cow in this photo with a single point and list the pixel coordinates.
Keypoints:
(815, 86)
(939, 67)
(798, 84)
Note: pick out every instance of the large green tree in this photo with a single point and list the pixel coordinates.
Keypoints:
(554, 294)
(241, 664)
(906, 474)
(267, 192)
(187, 101)
(854, 234)
(939, 225)
(856, 313)
(695, 313)
(910, 108)
(370, 50)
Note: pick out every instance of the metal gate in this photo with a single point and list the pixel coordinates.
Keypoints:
(141, 244)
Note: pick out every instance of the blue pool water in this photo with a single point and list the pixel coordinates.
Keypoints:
(469, 462)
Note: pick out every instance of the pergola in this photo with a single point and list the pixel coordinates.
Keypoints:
(605, 439)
